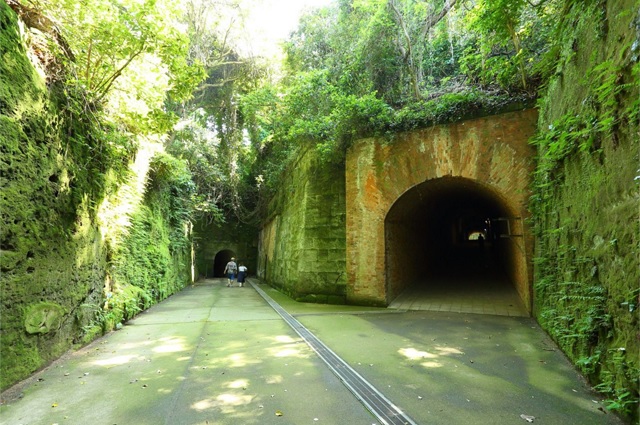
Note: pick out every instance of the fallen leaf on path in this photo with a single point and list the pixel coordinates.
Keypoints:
(278, 413)
(54, 405)
(527, 417)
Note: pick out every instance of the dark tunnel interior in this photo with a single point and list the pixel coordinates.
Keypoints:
(447, 231)
(220, 261)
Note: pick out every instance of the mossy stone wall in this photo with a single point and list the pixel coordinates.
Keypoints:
(215, 242)
(50, 256)
(303, 243)
(586, 197)
(70, 216)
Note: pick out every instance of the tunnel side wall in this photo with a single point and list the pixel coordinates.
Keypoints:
(401, 237)
(302, 244)
(211, 238)
(492, 151)
(587, 222)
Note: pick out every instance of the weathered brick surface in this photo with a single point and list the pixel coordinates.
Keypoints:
(492, 152)
(326, 232)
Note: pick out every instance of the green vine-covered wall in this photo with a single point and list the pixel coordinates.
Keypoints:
(302, 244)
(586, 196)
(82, 249)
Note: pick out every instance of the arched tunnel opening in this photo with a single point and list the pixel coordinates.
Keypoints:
(220, 261)
(451, 236)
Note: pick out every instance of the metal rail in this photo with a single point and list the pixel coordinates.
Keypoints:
(380, 406)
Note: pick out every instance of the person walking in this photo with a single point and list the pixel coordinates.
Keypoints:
(242, 274)
(230, 270)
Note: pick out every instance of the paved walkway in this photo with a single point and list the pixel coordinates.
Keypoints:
(468, 295)
(218, 355)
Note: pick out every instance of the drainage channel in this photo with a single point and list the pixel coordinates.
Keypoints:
(381, 407)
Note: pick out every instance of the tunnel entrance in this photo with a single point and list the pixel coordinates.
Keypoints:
(220, 261)
(452, 241)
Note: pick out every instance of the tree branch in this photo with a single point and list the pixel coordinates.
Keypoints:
(34, 19)
(104, 87)
(433, 20)
(406, 53)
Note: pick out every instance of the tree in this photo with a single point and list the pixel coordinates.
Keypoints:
(128, 55)
(512, 36)
(212, 134)
(414, 25)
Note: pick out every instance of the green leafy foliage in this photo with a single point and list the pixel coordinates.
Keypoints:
(152, 259)
(128, 56)
(171, 191)
(374, 67)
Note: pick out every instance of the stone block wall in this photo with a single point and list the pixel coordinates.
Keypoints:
(302, 244)
(215, 244)
(327, 239)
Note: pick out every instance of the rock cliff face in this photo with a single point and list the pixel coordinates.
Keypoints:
(586, 197)
(83, 247)
(50, 258)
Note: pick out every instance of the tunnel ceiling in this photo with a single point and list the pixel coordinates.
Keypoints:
(446, 196)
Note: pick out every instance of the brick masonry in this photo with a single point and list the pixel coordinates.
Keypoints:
(491, 153)
(325, 240)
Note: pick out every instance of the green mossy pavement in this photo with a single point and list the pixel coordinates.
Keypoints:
(218, 355)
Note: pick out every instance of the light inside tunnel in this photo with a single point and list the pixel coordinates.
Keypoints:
(449, 231)
(477, 235)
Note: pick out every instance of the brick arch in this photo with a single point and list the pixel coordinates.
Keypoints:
(427, 237)
(491, 153)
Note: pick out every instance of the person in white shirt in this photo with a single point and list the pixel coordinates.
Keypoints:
(242, 274)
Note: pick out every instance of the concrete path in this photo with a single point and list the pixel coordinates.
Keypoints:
(218, 355)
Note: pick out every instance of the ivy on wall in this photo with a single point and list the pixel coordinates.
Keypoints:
(585, 197)
(63, 282)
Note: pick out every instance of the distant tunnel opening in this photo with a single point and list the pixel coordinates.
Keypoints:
(220, 262)
(453, 233)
